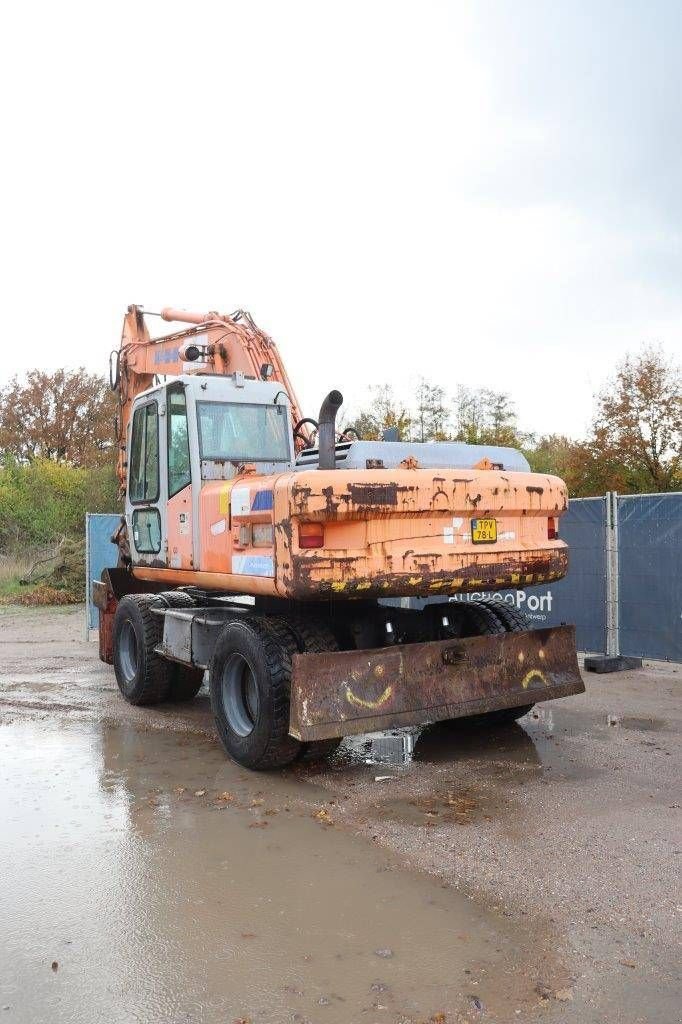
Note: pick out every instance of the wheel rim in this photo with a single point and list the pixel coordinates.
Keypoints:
(128, 651)
(240, 697)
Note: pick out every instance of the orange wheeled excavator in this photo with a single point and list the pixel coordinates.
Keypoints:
(282, 557)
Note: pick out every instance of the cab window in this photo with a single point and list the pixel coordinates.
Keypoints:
(144, 454)
(243, 432)
(179, 472)
(147, 530)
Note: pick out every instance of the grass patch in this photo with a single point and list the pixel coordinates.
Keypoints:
(53, 576)
(13, 568)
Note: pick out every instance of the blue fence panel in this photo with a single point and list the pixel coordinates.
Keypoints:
(100, 554)
(580, 598)
(650, 575)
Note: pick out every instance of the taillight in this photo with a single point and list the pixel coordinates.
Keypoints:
(310, 535)
(552, 528)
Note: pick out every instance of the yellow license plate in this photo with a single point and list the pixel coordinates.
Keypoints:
(483, 531)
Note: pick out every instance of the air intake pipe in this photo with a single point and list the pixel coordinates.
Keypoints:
(326, 430)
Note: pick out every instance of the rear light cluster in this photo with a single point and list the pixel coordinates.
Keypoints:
(260, 535)
(552, 528)
(263, 535)
(310, 535)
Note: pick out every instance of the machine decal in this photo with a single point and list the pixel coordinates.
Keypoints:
(167, 355)
(253, 565)
(262, 501)
(224, 499)
(372, 704)
(534, 673)
(218, 528)
(240, 501)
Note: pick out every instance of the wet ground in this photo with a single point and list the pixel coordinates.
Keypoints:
(448, 875)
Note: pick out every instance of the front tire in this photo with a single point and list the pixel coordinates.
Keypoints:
(142, 676)
(249, 681)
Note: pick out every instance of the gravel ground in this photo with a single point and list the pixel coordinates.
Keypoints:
(573, 814)
(568, 822)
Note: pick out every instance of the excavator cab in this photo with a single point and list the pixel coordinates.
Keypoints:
(185, 433)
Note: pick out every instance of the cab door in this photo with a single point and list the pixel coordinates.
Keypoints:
(146, 497)
(179, 513)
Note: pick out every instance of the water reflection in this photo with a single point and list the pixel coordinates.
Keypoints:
(455, 740)
(158, 901)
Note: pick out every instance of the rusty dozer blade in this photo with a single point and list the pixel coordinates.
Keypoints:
(344, 692)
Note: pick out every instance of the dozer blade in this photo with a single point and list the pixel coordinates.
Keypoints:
(345, 692)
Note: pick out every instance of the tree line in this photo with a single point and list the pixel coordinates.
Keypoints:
(634, 444)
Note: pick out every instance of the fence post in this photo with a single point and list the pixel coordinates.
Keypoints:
(612, 625)
(87, 575)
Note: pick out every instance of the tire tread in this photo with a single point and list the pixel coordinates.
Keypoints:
(155, 684)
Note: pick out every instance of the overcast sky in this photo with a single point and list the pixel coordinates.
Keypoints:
(483, 193)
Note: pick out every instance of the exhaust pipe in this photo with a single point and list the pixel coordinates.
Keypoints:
(326, 430)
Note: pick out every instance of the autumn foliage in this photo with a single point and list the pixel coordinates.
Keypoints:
(56, 458)
(66, 416)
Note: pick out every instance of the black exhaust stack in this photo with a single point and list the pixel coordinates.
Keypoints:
(326, 430)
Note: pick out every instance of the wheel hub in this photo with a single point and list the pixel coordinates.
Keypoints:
(240, 698)
(128, 652)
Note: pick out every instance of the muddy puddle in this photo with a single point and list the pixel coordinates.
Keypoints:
(513, 753)
(147, 878)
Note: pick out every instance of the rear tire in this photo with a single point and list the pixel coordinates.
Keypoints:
(480, 620)
(249, 681)
(489, 618)
(185, 683)
(512, 618)
(142, 676)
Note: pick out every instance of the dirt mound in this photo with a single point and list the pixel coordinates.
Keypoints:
(68, 575)
(58, 579)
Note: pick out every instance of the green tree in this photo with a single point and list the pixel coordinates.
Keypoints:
(432, 415)
(499, 417)
(43, 500)
(386, 413)
(469, 416)
(485, 417)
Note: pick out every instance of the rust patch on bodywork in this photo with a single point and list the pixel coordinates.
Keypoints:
(300, 497)
(347, 692)
(374, 494)
(325, 575)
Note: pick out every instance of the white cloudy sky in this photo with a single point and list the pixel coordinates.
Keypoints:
(481, 192)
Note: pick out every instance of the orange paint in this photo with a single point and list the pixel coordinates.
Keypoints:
(180, 530)
(388, 535)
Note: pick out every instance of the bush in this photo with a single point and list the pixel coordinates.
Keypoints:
(43, 500)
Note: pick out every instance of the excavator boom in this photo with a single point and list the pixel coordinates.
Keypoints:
(214, 343)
